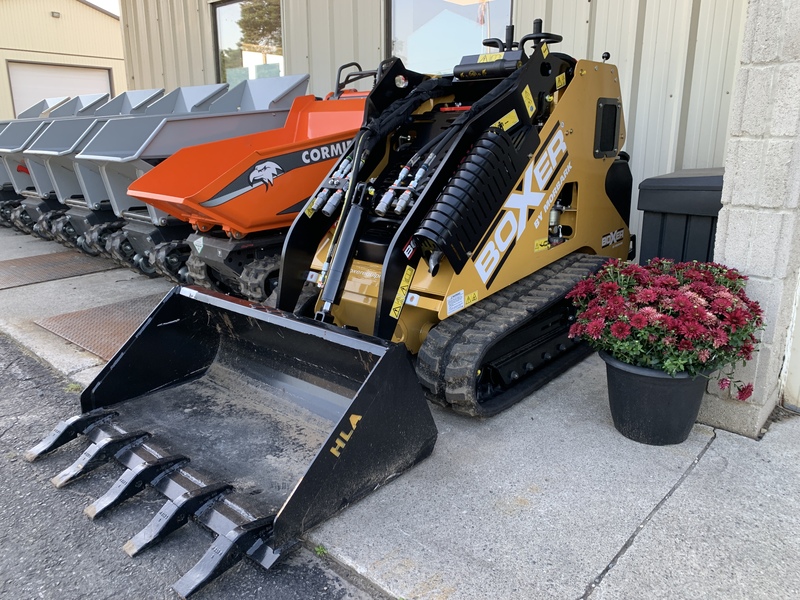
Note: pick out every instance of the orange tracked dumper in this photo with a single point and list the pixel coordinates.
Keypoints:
(242, 194)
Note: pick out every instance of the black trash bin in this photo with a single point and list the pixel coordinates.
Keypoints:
(680, 214)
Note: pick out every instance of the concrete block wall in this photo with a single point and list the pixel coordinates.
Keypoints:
(759, 225)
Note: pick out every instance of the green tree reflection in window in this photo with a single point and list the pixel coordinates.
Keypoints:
(249, 40)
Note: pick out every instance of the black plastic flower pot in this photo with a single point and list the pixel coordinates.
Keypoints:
(650, 406)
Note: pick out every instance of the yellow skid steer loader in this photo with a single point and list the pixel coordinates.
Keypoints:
(440, 248)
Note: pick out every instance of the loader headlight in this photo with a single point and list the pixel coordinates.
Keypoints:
(401, 81)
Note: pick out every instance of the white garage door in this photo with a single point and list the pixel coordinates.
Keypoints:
(32, 82)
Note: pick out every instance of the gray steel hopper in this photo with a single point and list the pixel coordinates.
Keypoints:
(21, 133)
(55, 148)
(124, 149)
(39, 110)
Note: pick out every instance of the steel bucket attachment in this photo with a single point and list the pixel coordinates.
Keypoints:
(286, 421)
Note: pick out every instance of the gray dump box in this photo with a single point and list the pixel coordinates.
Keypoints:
(680, 214)
(55, 149)
(39, 110)
(9, 198)
(14, 139)
(21, 133)
(124, 149)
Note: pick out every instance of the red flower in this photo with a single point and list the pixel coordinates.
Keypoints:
(667, 281)
(746, 352)
(719, 337)
(737, 317)
(745, 392)
(704, 355)
(724, 383)
(646, 296)
(595, 328)
(691, 330)
(608, 289)
(682, 302)
(651, 314)
(685, 345)
(582, 289)
(639, 321)
(620, 330)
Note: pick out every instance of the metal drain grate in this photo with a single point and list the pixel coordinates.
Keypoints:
(102, 330)
(48, 267)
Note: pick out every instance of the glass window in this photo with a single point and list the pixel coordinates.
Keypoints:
(249, 42)
(431, 36)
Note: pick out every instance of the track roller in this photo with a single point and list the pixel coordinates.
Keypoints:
(169, 260)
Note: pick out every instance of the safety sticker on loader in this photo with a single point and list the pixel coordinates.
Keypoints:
(508, 121)
(402, 292)
(540, 245)
(471, 298)
(561, 80)
(545, 50)
(455, 302)
(491, 57)
(527, 97)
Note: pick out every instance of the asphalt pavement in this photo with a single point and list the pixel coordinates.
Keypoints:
(546, 500)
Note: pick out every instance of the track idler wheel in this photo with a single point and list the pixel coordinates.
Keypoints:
(259, 279)
(64, 232)
(120, 248)
(45, 226)
(198, 273)
(96, 239)
(141, 263)
(169, 260)
(21, 219)
(6, 208)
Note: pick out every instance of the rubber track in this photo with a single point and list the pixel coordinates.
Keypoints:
(161, 252)
(254, 275)
(449, 359)
(198, 273)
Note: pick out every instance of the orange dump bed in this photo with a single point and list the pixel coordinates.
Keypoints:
(254, 182)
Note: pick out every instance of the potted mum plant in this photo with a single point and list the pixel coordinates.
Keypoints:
(663, 329)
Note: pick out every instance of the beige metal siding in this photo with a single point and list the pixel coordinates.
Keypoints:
(81, 36)
(168, 43)
(321, 35)
(677, 62)
(79, 31)
(719, 29)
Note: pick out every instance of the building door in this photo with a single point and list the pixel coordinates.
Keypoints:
(31, 82)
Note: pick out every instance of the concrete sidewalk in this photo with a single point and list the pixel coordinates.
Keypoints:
(546, 500)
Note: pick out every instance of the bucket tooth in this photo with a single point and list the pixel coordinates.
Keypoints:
(133, 481)
(105, 447)
(264, 554)
(173, 515)
(68, 430)
(225, 552)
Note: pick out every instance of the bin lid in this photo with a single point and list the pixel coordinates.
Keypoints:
(686, 179)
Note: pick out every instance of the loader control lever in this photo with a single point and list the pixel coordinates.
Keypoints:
(506, 46)
(539, 37)
(352, 77)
